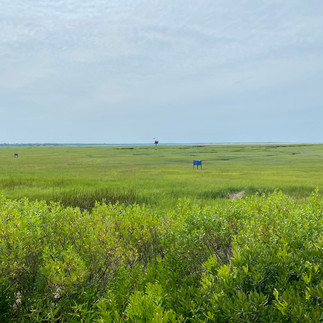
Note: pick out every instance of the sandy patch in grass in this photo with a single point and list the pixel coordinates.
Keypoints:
(235, 196)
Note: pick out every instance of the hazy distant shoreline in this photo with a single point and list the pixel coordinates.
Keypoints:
(151, 144)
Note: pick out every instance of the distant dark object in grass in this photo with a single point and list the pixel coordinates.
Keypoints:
(156, 144)
(15, 155)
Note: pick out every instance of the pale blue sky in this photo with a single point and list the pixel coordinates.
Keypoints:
(124, 71)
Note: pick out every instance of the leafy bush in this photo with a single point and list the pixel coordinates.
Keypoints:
(256, 259)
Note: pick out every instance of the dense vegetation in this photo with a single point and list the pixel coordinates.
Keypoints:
(257, 259)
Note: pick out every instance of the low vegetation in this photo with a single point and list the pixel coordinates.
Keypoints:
(256, 259)
(117, 234)
(80, 176)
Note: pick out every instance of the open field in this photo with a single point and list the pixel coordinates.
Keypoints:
(80, 175)
(256, 259)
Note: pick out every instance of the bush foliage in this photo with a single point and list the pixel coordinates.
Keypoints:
(257, 259)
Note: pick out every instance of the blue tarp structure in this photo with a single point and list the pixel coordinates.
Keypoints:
(197, 163)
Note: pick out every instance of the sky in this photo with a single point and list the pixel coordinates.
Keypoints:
(181, 71)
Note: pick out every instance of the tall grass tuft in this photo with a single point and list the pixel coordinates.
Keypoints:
(86, 200)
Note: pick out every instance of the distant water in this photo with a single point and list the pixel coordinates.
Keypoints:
(98, 144)
(147, 144)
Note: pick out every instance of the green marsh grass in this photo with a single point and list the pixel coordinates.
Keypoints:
(86, 200)
(79, 176)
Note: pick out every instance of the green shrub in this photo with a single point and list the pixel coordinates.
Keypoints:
(257, 259)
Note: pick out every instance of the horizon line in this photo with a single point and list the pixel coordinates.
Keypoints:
(160, 143)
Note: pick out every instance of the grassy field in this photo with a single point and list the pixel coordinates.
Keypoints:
(78, 176)
(256, 259)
